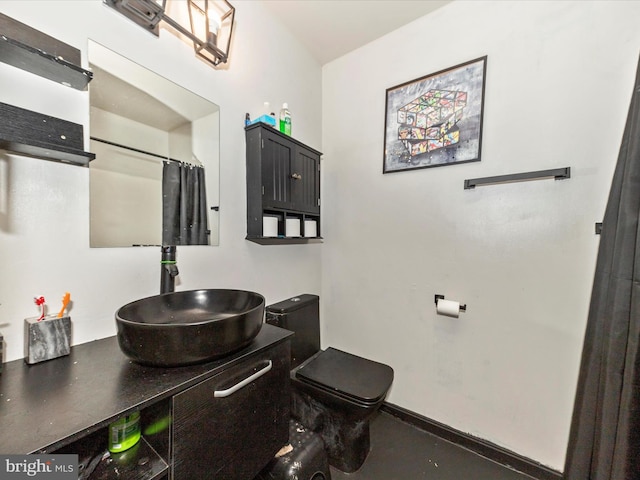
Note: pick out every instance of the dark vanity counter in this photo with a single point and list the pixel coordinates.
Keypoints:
(46, 406)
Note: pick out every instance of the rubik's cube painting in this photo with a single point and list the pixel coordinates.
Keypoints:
(435, 120)
(429, 122)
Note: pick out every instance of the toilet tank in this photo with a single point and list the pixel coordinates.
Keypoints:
(301, 315)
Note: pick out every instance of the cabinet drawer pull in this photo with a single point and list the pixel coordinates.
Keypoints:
(243, 383)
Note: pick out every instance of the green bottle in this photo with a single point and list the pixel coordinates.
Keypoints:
(124, 433)
(285, 120)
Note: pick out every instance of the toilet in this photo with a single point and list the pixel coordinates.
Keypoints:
(334, 393)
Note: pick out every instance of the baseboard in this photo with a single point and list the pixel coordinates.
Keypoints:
(477, 445)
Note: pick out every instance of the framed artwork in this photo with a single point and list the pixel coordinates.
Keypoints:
(435, 120)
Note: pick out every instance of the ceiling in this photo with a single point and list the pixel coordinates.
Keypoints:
(332, 28)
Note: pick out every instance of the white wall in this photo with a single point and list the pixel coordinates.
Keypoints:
(521, 256)
(44, 206)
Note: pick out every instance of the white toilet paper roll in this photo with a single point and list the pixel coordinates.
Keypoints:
(448, 307)
(292, 227)
(269, 226)
(310, 228)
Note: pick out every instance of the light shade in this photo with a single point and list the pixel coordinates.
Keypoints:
(206, 23)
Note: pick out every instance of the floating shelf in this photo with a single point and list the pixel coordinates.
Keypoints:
(49, 138)
(33, 51)
(45, 152)
(557, 174)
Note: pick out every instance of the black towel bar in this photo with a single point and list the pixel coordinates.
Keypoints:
(557, 174)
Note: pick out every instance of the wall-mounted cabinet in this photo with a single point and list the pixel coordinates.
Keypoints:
(283, 188)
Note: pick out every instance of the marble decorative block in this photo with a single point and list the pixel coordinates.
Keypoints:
(46, 339)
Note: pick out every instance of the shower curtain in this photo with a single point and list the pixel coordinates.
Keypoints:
(184, 205)
(604, 442)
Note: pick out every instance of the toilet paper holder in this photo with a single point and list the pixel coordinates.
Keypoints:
(463, 308)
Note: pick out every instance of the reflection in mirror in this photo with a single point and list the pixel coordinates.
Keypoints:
(154, 180)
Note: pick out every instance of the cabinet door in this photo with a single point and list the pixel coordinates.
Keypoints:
(290, 175)
(232, 437)
(277, 156)
(305, 181)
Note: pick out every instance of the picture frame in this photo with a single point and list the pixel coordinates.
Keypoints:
(435, 120)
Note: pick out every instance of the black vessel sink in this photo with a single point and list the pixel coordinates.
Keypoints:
(183, 328)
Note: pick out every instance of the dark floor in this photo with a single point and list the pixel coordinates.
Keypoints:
(400, 451)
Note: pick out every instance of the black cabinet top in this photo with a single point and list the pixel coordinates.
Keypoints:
(275, 131)
(51, 404)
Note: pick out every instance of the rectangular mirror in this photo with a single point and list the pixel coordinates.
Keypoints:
(155, 178)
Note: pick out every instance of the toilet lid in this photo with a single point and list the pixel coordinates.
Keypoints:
(356, 377)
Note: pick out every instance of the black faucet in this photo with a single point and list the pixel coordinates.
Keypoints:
(168, 269)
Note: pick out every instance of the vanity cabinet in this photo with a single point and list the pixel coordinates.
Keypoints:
(283, 182)
(223, 420)
(226, 427)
